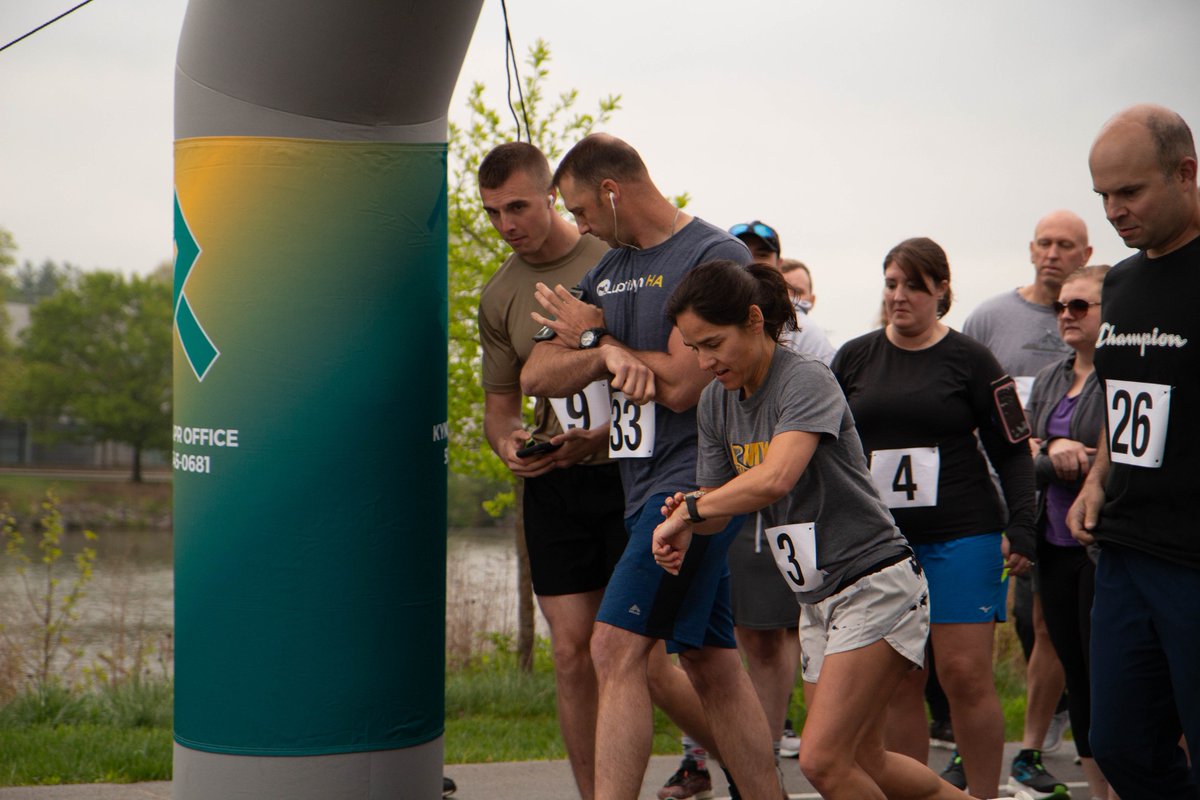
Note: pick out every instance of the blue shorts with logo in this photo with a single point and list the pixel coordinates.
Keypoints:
(967, 579)
(688, 610)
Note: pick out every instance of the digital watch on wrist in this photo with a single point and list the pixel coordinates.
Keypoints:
(693, 513)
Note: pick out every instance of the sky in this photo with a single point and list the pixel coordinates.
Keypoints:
(848, 126)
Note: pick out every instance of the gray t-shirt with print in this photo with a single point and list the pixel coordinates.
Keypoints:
(851, 529)
(1023, 336)
(632, 287)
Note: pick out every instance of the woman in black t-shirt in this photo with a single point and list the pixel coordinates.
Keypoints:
(919, 391)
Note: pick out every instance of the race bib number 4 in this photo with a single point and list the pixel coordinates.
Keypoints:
(795, 550)
(631, 431)
(906, 478)
(587, 409)
(1137, 422)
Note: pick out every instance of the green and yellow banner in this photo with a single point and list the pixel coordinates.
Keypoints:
(309, 444)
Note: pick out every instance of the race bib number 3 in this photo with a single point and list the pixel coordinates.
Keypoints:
(795, 550)
(631, 431)
(587, 409)
(1137, 422)
(906, 478)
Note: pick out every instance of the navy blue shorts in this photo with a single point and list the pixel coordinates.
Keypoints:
(688, 610)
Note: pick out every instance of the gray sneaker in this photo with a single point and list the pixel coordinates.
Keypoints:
(1054, 734)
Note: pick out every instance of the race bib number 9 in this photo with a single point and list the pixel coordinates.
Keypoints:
(795, 550)
(631, 431)
(587, 409)
(906, 478)
(1137, 422)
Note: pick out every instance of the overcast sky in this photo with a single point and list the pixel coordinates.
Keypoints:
(846, 125)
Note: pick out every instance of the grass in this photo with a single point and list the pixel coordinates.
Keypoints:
(98, 503)
(118, 735)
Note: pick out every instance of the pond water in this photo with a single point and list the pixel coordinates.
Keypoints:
(129, 604)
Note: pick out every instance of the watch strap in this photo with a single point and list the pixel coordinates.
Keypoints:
(689, 500)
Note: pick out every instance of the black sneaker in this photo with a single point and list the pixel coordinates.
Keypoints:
(448, 786)
(941, 734)
(734, 794)
(953, 774)
(1030, 777)
(688, 781)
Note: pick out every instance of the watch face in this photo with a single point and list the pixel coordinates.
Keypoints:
(587, 339)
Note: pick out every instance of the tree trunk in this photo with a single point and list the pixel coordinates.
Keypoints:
(525, 626)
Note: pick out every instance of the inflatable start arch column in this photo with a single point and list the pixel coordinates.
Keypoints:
(310, 396)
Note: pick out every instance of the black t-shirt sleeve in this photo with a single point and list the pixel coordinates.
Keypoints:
(1011, 460)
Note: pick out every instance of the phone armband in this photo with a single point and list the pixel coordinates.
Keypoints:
(1012, 418)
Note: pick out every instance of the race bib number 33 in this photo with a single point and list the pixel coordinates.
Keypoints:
(906, 478)
(631, 431)
(1137, 422)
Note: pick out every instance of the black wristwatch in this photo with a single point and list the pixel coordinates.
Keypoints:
(591, 338)
(693, 513)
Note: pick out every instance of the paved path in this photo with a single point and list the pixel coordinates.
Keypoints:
(537, 780)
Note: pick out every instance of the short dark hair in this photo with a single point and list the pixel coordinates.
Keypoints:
(1172, 140)
(721, 292)
(599, 156)
(787, 265)
(923, 262)
(499, 165)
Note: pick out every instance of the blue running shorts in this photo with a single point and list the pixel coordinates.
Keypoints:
(967, 579)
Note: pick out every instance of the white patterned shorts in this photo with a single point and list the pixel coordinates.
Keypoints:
(891, 604)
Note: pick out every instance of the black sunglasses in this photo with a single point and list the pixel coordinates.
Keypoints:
(1078, 306)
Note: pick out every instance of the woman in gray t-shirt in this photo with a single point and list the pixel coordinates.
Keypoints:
(777, 437)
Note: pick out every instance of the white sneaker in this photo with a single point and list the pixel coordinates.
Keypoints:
(1054, 734)
(789, 744)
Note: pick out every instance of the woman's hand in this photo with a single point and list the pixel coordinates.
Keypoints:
(1071, 459)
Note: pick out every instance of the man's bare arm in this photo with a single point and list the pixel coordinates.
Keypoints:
(1084, 514)
(505, 432)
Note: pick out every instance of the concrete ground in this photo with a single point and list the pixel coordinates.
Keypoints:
(543, 780)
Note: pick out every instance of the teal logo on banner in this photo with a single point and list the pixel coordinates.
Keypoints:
(197, 346)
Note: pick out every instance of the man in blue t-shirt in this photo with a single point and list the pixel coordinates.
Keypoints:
(619, 332)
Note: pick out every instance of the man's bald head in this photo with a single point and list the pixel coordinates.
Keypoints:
(1059, 247)
(1143, 166)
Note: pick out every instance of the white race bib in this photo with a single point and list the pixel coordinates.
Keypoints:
(906, 478)
(631, 431)
(1137, 422)
(587, 409)
(795, 549)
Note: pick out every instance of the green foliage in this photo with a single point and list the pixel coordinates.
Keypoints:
(31, 284)
(50, 594)
(55, 736)
(99, 354)
(476, 250)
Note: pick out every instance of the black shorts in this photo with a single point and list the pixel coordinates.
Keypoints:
(574, 528)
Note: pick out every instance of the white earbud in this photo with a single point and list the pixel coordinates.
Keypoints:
(612, 202)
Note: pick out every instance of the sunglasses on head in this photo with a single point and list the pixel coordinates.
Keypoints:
(1078, 306)
(764, 232)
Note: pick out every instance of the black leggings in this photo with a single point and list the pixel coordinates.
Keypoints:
(1067, 582)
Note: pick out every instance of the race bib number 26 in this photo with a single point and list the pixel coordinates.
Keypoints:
(631, 431)
(1137, 422)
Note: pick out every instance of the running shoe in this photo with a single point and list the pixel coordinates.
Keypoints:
(953, 774)
(688, 781)
(1031, 777)
(1054, 734)
(789, 743)
(449, 787)
(941, 734)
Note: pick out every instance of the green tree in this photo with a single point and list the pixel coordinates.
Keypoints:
(31, 284)
(476, 250)
(99, 355)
